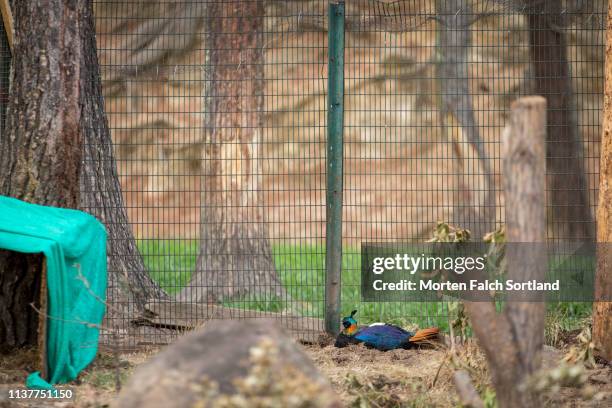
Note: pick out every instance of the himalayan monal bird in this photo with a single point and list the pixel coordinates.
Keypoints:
(382, 336)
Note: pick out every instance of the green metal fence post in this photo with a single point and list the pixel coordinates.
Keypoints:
(335, 127)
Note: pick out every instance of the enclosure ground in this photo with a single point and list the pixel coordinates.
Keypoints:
(423, 378)
(362, 377)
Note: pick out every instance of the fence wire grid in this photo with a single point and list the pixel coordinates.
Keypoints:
(218, 115)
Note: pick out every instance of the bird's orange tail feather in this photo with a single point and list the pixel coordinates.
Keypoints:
(425, 334)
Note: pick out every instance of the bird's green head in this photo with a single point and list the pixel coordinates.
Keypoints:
(350, 324)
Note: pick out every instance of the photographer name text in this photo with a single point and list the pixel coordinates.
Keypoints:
(472, 285)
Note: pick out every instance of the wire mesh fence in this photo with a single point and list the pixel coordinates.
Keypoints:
(218, 115)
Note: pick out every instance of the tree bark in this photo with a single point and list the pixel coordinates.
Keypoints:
(40, 155)
(235, 256)
(513, 340)
(58, 152)
(570, 213)
(6, 39)
(602, 312)
(474, 204)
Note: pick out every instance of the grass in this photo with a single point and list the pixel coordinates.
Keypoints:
(301, 269)
(563, 317)
(169, 262)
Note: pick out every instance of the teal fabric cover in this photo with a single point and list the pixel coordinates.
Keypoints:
(74, 245)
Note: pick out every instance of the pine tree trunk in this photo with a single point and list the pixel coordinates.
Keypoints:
(56, 108)
(568, 199)
(40, 155)
(235, 256)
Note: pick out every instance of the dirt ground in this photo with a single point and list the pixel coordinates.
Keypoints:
(423, 378)
(362, 377)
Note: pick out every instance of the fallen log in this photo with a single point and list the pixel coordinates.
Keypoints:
(189, 316)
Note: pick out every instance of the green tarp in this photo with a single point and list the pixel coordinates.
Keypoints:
(74, 245)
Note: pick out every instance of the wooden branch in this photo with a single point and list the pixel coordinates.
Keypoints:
(7, 19)
(524, 169)
(602, 312)
(467, 393)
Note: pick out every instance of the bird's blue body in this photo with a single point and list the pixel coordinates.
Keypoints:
(384, 336)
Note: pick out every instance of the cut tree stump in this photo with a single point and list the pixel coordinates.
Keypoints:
(254, 361)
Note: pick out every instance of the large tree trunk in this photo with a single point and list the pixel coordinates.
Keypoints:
(602, 312)
(474, 202)
(40, 155)
(55, 109)
(568, 198)
(235, 256)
